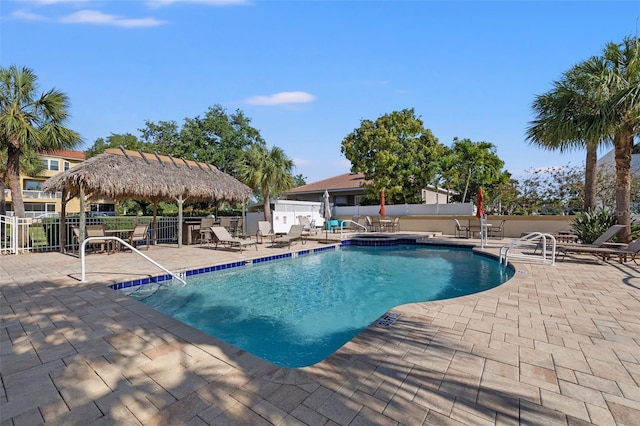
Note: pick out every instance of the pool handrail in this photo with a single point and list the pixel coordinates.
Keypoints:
(351, 221)
(126, 244)
(525, 240)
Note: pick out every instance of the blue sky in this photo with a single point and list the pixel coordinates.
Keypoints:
(307, 72)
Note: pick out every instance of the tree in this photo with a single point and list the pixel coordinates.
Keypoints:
(446, 170)
(266, 171)
(566, 119)
(29, 121)
(127, 141)
(504, 195)
(613, 84)
(163, 137)
(395, 153)
(606, 188)
(299, 180)
(477, 165)
(620, 84)
(217, 138)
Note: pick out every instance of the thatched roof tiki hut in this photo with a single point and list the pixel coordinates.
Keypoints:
(120, 174)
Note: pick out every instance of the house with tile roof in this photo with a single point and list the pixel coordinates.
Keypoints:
(348, 189)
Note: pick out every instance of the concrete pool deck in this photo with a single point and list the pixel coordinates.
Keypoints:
(554, 345)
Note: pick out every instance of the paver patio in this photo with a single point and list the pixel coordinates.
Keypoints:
(554, 345)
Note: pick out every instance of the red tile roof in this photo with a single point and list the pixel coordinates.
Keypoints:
(67, 153)
(347, 181)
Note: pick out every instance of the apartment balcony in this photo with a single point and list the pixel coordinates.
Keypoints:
(34, 195)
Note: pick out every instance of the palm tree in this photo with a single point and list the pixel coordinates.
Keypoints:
(478, 163)
(265, 171)
(30, 164)
(620, 84)
(597, 101)
(567, 118)
(29, 122)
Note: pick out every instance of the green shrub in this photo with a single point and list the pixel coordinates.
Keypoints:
(589, 226)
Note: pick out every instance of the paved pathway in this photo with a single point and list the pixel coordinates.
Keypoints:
(555, 345)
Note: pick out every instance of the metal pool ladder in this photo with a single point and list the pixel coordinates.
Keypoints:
(539, 238)
(133, 249)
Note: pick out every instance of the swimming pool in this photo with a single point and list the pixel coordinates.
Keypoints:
(297, 312)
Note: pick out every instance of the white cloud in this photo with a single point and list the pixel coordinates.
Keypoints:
(27, 16)
(281, 98)
(161, 3)
(96, 17)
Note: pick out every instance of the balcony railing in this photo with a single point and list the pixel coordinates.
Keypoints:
(31, 194)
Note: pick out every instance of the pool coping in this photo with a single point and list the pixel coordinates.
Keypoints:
(370, 242)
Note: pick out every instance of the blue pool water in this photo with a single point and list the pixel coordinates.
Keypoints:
(296, 312)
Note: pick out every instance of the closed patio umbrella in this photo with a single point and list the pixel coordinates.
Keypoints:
(326, 214)
(480, 201)
(382, 210)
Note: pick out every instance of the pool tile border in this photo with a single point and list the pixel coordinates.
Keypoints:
(214, 268)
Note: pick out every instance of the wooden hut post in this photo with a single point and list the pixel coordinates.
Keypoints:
(155, 223)
(180, 201)
(62, 226)
(83, 215)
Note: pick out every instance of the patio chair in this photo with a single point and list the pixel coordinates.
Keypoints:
(140, 233)
(376, 225)
(98, 231)
(221, 236)
(497, 230)
(459, 230)
(225, 222)
(394, 226)
(37, 236)
(235, 228)
(75, 239)
(294, 234)
(205, 230)
(264, 230)
(308, 225)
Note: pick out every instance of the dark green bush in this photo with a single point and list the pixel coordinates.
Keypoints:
(589, 226)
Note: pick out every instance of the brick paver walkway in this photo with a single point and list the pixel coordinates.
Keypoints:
(555, 345)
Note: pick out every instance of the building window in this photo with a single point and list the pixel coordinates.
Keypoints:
(67, 165)
(32, 185)
(53, 165)
(341, 200)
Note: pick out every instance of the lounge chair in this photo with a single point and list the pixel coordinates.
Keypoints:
(605, 252)
(264, 230)
(605, 237)
(139, 233)
(294, 234)
(632, 250)
(221, 236)
(598, 247)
